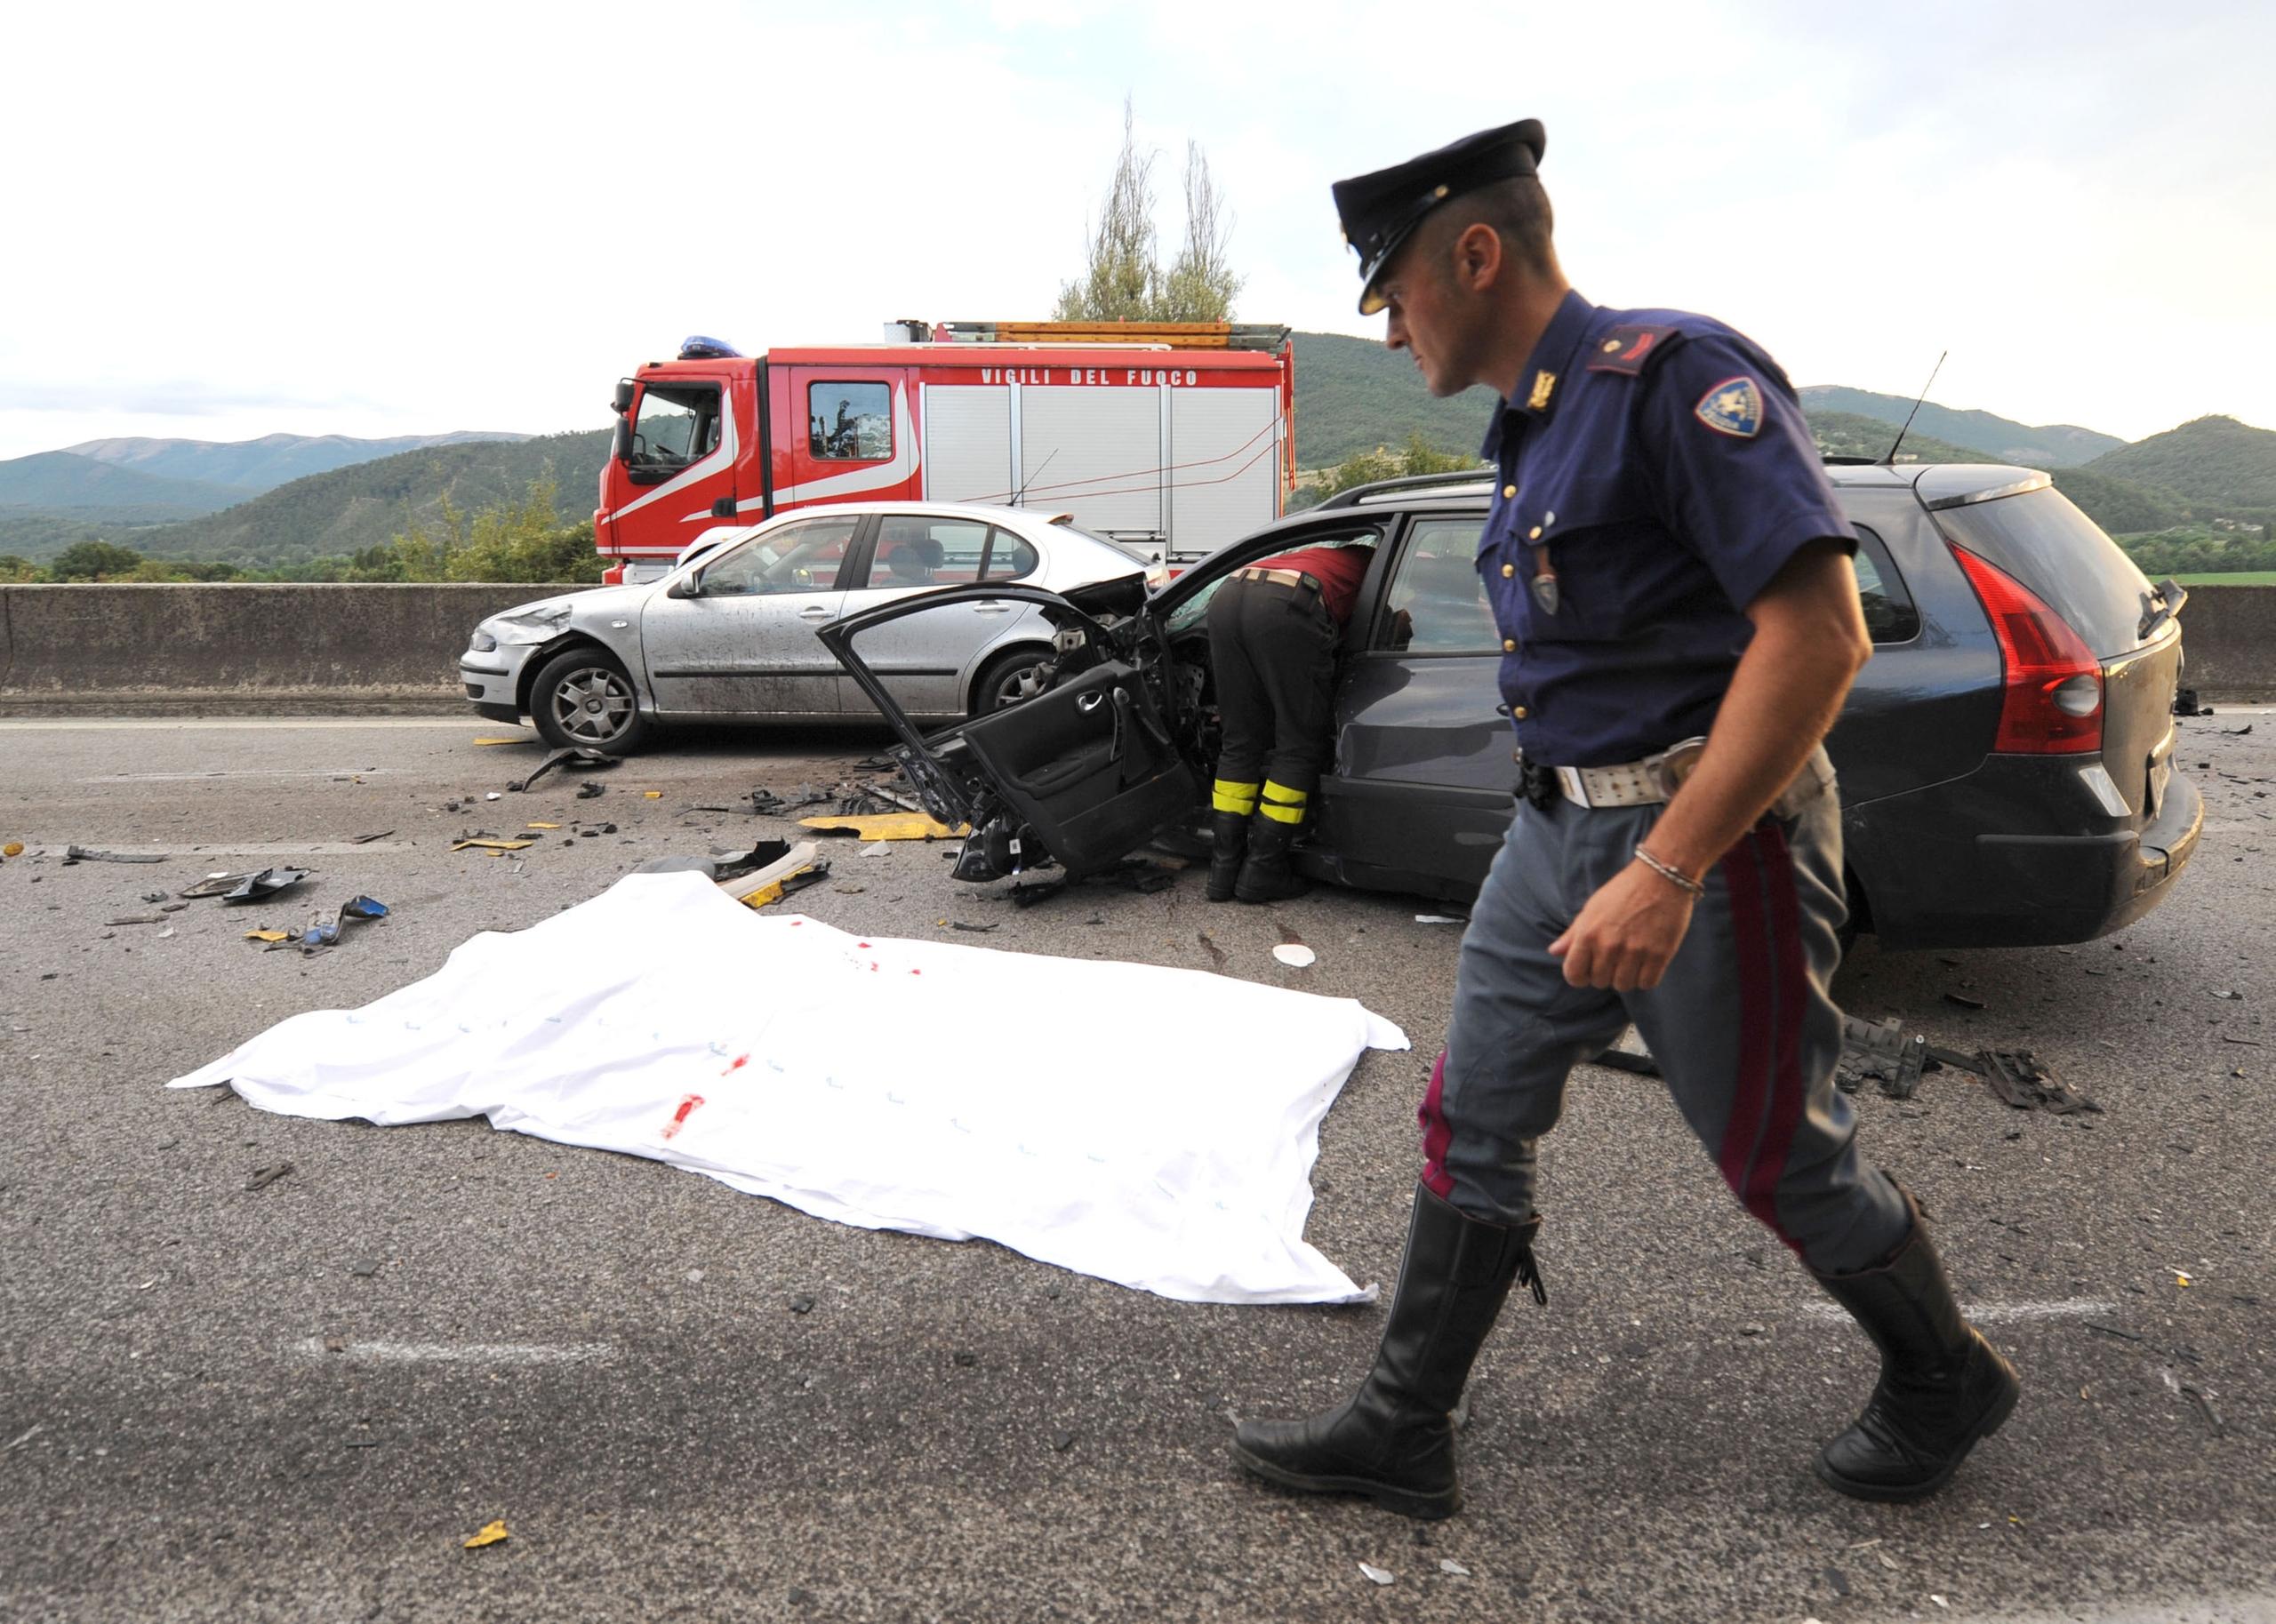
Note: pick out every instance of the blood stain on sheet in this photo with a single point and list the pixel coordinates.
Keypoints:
(733, 1066)
(679, 1118)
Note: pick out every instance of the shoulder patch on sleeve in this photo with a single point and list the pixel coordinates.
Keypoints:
(1632, 348)
(1733, 407)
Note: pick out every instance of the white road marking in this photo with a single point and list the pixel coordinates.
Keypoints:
(459, 1353)
(1999, 1313)
(323, 848)
(178, 724)
(191, 778)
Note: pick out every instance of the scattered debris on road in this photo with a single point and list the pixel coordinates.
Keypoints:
(262, 1178)
(2020, 1080)
(1296, 955)
(885, 826)
(327, 934)
(365, 840)
(587, 790)
(578, 759)
(493, 1534)
(1375, 1575)
(485, 844)
(259, 887)
(83, 854)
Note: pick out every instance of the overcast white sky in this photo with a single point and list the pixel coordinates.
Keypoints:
(227, 220)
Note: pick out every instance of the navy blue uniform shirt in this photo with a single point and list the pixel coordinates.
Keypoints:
(1654, 475)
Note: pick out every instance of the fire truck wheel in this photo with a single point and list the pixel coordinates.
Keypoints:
(1012, 676)
(581, 698)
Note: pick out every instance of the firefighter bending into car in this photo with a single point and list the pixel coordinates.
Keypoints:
(1274, 631)
(1670, 575)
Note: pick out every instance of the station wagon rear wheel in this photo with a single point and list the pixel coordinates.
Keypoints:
(582, 698)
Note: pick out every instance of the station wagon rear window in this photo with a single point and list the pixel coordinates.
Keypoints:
(2064, 558)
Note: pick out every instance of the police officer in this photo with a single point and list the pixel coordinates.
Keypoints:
(1274, 631)
(1667, 565)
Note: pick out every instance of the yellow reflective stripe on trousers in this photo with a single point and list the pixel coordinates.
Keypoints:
(1228, 797)
(1283, 804)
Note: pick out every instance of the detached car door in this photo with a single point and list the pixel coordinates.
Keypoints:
(1084, 772)
(737, 638)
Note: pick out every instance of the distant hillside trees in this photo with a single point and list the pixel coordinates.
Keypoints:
(509, 540)
(1418, 456)
(1123, 277)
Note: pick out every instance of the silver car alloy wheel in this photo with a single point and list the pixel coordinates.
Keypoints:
(593, 705)
(1020, 681)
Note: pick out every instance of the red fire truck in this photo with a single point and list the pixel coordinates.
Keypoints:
(1172, 437)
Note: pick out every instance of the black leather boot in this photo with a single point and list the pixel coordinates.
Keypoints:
(1267, 876)
(1942, 1387)
(1394, 1441)
(1228, 842)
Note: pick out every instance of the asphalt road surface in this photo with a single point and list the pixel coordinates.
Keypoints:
(297, 1401)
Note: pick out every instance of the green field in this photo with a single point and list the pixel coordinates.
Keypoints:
(2241, 578)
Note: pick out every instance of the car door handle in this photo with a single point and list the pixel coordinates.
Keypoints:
(1089, 702)
(992, 607)
(814, 612)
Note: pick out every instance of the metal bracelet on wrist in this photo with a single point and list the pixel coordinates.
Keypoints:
(1671, 875)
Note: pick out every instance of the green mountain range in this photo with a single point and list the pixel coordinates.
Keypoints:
(369, 504)
(62, 480)
(2053, 446)
(262, 465)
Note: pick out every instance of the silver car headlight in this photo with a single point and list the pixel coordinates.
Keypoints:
(483, 644)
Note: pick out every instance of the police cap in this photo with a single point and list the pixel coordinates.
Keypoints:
(1380, 211)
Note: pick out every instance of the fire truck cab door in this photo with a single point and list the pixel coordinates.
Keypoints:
(742, 642)
(680, 475)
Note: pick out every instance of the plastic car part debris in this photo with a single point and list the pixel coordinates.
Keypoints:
(325, 933)
(365, 840)
(887, 826)
(491, 1534)
(976, 930)
(137, 919)
(494, 845)
(1447, 1564)
(82, 854)
(541, 826)
(153, 896)
(766, 884)
(574, 756)
(263, 1177)
(1962, 1001)
(651, 794)
(516, 739)
(267, 884)
(269, 936)
(14, 848)
(1295, 954)
(729, 866)
(1440, 919)
(2020, 1080)
(586, 791)
(1879, 1052)
(1375, 1575)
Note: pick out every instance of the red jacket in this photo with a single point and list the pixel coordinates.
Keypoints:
(1339, 570)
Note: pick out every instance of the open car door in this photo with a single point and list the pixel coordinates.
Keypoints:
(1083, 773)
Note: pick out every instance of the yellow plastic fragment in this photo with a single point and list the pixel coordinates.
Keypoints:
(516, 739)
(651, 794)
(770, 892)
(494, 845)
(491, 1534)
(268, 936)
(14, 848)
(890, 825)
(541, 826)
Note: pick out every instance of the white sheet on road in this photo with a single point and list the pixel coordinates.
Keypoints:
(1151, 1126)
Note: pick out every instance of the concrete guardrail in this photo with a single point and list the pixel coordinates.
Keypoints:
(293, 649)
(245, 648)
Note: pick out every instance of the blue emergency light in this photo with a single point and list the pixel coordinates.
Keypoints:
(695, 347)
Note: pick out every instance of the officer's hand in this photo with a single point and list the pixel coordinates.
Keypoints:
(1627, 932)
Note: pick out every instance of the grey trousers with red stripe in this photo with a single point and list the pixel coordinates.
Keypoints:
(1741, 1026)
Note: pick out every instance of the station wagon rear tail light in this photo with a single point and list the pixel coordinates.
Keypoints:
(2051, 695)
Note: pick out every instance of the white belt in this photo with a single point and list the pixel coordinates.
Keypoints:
(1655, 779)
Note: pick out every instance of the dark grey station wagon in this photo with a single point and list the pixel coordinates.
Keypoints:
(2005, 758)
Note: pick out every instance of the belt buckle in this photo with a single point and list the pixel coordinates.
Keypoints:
(1674, 764)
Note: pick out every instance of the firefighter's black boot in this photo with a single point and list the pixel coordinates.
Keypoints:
(1228, 842)
(1942, 1387)
(1267, 876)
(1394, 1440)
